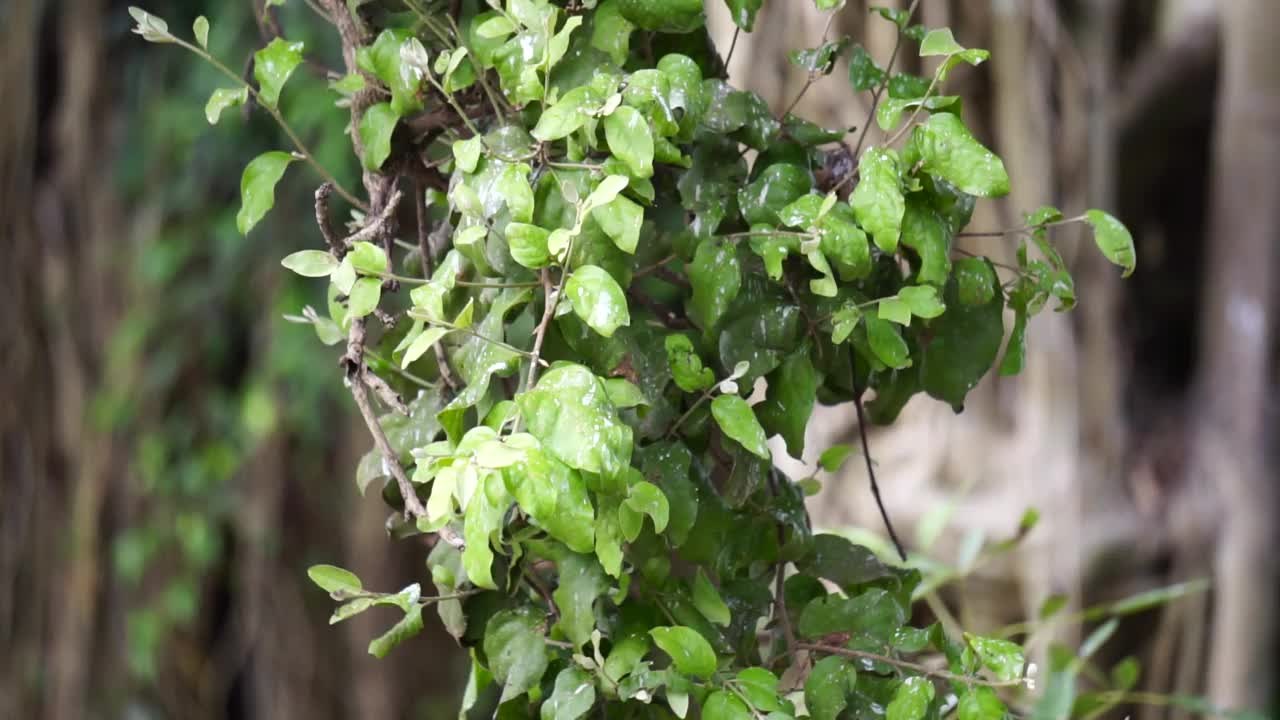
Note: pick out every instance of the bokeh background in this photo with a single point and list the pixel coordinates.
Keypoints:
(174, 454)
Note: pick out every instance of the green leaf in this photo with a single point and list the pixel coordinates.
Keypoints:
(570, 413)
(716, 277)
(686, 365)
(224, 98)
(873, 613)
(924, 231)
(630, 139)
(376, 128)
(646, 498)
(552, 494)
(311, 263)
(368, 258)
(833, 458)
(528, 245)
(611, 32)
(981, 703)
(466, 153)
(668, 16)
(582, 582)
(911, 699)
(623, 393)
(975, 281)
(723, 705)
(738, 421)
(708, 601)
(964, 344)
(690, 652)
(568, 114)
(598, 299)
(422, 344)
(777, 187)
(877, 200)
(744, 12)
(495, 27)
(258, 187)
(789, 403)
(829, 686)
(939, 42)
(333, 579)
(351, 609)
(1113, 239)
(348, 84)
(864, 73)
(1001, 657)
(621, 219)
(573, 696)
(922, 301)
(820, 60)
(950, 152)
(272, 66)
(200, 28)
(484, 514)
(150, 27)
(848, 565)
(400, 61)
(364, 297)
(516, 651)
(409, 626)
(886, 343)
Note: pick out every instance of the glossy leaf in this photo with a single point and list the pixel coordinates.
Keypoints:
(333, 579)
(222, 99)
(572, 697)
(258, 187)
(828, 687)
(877, 200)
(598, 299)
(1113, 239)
(516, 651)
(272, 66)
(789, 403)
(716, 277)
(724, 705)
(690, 652)
(738, 421)
(311, 263)
(911, 700)
(409, 626)
(630, 139)
(886, 343)
(708, 601)
(949, 151)
(376, 128)
(621, 220)
(581, 582)
(570, 413)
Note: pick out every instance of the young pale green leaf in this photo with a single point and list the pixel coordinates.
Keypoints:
(466, 153)
(1001, 657)
(611, 32)
(708, 601)
(736, 418)
(513, 185)
(516, 651)
(646, 498)
(886, 343)
(981, 703)
(604, 193)
(351, 609)
(333, 579)
(364, 297)
(272, 66)
(572, 697)
(311, 263)
(630, 138)
(690, 652)
(829, 686)
(343, 279)
(949, 151)
(368, 258)
(834, 457)
(1113, 239)
(552, 494)
(497, 26)
(686, 365)
(484, 513)
(911, 699)
(422, 344)
(922, 301)
(348, 84)
(559, 43)
(200, 28)
(877, 200)
(258, 187)
(224, 98)
(570, 413)
(528, 245)
(150, 27)
(724, 705)
(598, 299)
(623, 393)
(376, 127)
(621, 220)
(819, 60)
(939, 41)
(409, 626)
(568, 114)
(716, 276)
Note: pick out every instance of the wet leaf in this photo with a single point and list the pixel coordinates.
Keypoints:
(598, 299)
(689, 651)
(1113, 239)
(258, 187)
(272, 66)
(738, 421)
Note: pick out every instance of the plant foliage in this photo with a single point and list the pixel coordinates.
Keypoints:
(587, 280)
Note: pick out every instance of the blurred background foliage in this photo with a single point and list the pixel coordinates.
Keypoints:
(175, 453)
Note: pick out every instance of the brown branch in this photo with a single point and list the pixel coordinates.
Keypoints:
(552, 296)
(907, 665)
(376, 228)
(322, 220)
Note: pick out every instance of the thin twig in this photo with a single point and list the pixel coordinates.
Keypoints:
(933, 84)
(651, 268)
(875, 97)
(733, 45)
(907, 665)
(322, 219)
(552, 297)
(1024, 229)
(866, 454)
(780, 600)
(374, 229)
(541, 587)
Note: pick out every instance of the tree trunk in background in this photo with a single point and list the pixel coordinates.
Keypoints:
(1236, 367)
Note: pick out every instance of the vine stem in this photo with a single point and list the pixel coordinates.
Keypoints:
(875, 97)
(908, 665)
(933, 84)
(505, 346)
(871, 473)
(1024, 229)
(275, 113)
